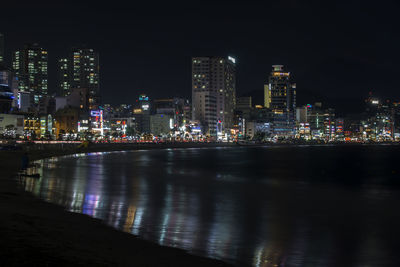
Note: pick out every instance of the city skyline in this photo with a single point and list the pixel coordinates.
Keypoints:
(199, 133)
(329, 63)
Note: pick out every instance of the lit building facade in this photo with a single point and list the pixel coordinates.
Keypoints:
(80, 70)
(11, 124)
(281, 99)
(64, 77)
(214, 93)
(161, 124)
(267, 96)
(66, 121)
(141, 114)
(30, 67)
(317, 123)
(174, 107)
(379, 124)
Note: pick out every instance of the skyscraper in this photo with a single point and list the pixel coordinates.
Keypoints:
(281, 99)
(1, 48)
(85, 68)
(80, 70)
(85, 74)
(213, 93)
(142, 114)
(30, 67)
(64, 77)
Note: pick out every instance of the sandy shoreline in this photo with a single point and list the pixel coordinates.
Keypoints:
(36, 233)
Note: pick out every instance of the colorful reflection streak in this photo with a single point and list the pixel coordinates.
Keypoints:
(297, 206)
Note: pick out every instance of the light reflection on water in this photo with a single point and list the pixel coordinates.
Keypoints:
(304, 206)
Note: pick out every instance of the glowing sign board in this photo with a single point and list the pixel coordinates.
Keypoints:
(95, 113)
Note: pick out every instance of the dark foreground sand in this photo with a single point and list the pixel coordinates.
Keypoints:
(36, 233)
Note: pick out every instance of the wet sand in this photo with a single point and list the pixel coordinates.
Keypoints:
(37, 233)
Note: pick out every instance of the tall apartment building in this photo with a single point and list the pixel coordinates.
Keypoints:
(30, 67)
(214, 93)
(64, 77)
(80, 70)
(280, 97)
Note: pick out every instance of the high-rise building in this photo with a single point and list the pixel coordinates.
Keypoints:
(141, 113)
(30, 67)
(80, 70)
(281, 99)
(214, 93)
(85, 69)
(64, 77)
(1, 48)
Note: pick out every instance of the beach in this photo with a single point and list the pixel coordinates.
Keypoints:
(36, 233)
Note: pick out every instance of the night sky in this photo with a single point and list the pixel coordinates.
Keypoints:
(337, 53)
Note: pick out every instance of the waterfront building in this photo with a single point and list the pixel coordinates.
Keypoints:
(214, 93)
(303, 130)
(31, 126)
(242, 114)
(321, 121)
(378, 122)
(187, 112)
(161, 124)
(122, 127)
(302, 122)
(141, 114)
(66, 121)
(382, 124)
(281, 99)
(259, 131)
(47, 126)
(11, 124)
(174, 107)
(339, 135)
(302, 113)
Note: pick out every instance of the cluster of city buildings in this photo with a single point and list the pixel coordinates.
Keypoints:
(75, 111)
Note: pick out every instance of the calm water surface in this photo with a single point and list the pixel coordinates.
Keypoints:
(257, 206)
